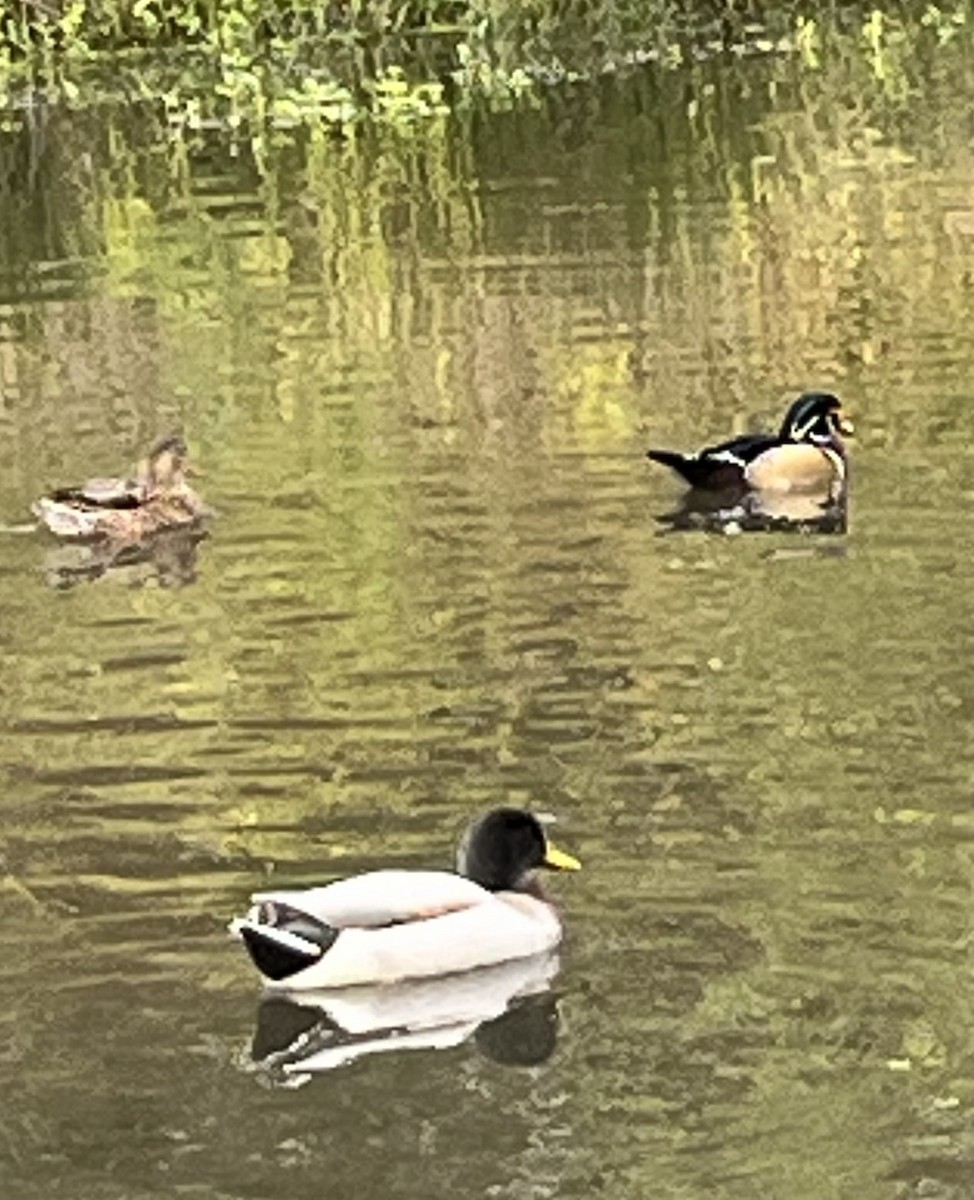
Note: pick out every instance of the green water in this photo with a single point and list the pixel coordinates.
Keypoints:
(419, 379)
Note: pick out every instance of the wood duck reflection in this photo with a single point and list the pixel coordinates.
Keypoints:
(759, 512)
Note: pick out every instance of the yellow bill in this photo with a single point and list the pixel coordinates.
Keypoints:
(558, 860)
(846, 426)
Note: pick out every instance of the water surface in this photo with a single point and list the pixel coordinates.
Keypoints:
(420, 384)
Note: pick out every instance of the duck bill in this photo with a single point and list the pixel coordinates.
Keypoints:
(558, 860)
(846, 427)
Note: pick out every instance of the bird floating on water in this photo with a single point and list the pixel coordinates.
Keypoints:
(390, 925)
(806, 455)
(156, 498)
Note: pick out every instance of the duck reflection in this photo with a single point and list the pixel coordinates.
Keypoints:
(167, 559)
(508, 1010)
(760, 511)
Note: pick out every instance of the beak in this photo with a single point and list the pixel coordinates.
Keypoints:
(193, 472)
(558, 860)
(846, 427)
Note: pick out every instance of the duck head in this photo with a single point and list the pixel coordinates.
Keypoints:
(501, 849)
(164, 470)
(816, 417)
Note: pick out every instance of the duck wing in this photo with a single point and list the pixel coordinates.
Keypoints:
(718, 466)
(740, 450)
(101, 493)
(379, 898)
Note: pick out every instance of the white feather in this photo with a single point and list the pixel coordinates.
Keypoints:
(727, 456)
(381, 897)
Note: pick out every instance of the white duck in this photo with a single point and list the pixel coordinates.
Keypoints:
(396, 924)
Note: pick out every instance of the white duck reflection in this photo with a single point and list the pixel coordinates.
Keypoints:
(507, 1008)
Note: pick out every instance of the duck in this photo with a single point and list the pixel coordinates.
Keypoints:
(389, 925)
(156, 498)
(806, 455)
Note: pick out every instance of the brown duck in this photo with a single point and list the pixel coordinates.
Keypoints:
(157, 498)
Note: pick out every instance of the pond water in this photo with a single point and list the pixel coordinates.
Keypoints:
(419, 379)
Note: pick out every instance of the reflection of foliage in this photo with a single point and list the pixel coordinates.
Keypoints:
(371, 218)
(399, 61)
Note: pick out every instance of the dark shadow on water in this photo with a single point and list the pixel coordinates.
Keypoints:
(524, 1036)
(165, 560)
(508, 1010)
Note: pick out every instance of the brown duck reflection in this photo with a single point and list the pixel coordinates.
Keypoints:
(167, 559)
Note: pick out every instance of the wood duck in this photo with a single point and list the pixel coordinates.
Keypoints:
(128, 510)
(806, 455)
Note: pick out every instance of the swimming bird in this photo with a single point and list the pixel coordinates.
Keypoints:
(128, 510)
(388, 925)
(807, 454)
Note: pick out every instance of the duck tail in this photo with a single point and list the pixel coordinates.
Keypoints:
(287, 943)
(686, 466)
(276, 953)
(63, 520)
(669, 458)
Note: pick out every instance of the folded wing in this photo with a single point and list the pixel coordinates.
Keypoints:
(381, 898)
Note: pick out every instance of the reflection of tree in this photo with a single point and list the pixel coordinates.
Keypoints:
(417, 379)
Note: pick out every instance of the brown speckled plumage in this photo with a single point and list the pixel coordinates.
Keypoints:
(156, 498)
